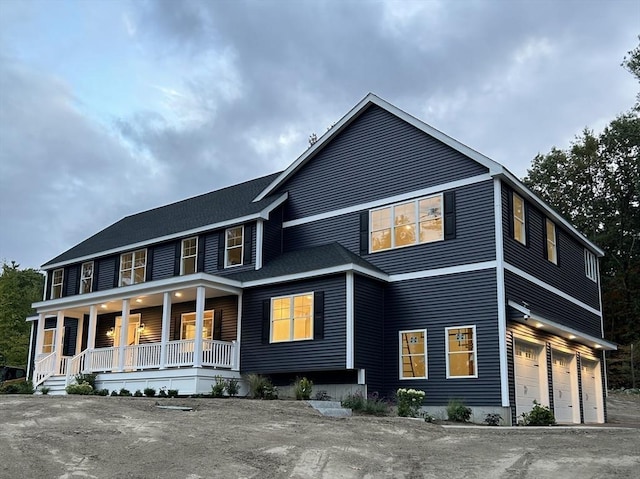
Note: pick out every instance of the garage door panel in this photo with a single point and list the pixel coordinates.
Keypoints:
(591, 392)
(564, 399)
(527, 375)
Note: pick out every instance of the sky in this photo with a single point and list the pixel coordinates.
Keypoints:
(109, 108)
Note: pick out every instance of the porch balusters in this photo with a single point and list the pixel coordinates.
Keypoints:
(166, 325)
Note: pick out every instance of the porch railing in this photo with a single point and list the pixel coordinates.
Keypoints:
(103, 360)
(180, 353)
(76, 365)
(45, 367)
(217, 353)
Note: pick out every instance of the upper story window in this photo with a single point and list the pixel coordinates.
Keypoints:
(519, 231)
(552, 246)
(590, 265)
(133, 267)
(86, 277)
(461, 352)
(189, 255)
(292, 318)
(233, 247)
(413, 354)
(57, 280)
(404, 224)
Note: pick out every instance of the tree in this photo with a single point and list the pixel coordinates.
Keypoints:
(18, 289)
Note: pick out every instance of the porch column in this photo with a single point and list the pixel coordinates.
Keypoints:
(197, 347)
(58, 340)
(124, 327)
(40, 335)
(236, 347)
(91, 335)
(79, 335)
(166, 325)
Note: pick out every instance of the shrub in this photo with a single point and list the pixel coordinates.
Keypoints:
(149, 392)
(114, 393)
(322, 396)
(163, 392)
(137, 394)
(493, 419)
(82, 388)
(101, 392)
(217, 389)
(303, 388)
(372, 405)
(86, 378)
(409, 402)
(457, 411)
(45, 390)
(20, 387)
(261, 387)
(355, 402)
(172, 393)
(233, 387)
(428, 417)
(538, 416)
(124, 392)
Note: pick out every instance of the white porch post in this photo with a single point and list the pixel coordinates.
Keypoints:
(166, 325)
(40, 335)
(236, 347)
(58, 340)
(91, 335)
(197, 347)
(79, 335)
(124, 327)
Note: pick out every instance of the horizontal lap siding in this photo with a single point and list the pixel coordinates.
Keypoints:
(106, 272)
(377, 156)
(369, 330)
(298, 356)
(568, 276)
(435, 304)
(272, 241)
(551, 306)
(163, 261)
(72, 280)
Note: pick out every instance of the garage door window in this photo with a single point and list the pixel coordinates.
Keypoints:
(461, 352)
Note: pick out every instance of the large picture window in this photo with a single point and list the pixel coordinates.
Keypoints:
(188, 326)
(57, 280)
(519, 230)
(133, 267)
(413, 354)
(461, 352)
(292, 318)
(86, 277)
(189, 255)
(233, 251)
(552, 247)
(405, 224)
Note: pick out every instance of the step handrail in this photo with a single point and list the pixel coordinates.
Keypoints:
(75, 366)
(44, 368)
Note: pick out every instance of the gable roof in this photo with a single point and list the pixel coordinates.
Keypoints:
(216, 209)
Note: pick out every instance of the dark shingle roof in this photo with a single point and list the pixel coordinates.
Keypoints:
(214, 207)
(306, 260)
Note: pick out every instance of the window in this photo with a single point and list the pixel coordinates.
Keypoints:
(48, 341)
(552, 248)
(56, 283)
(189, 255)
(86, 277)
(133, 267)
(590, 265)
(413, 354)
(519, 232)
(233, 246)
(461, 352)
(188, 326)
(405, 224)
(292, 318)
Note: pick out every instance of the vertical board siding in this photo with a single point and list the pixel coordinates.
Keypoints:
(106, 272)
(569, 276)
(325, 354)
(272, 239)
(375, 157)
(550, 305)
(369, 330)
(163, 261)
(435, 304)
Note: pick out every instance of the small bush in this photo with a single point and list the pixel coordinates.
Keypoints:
(322, 396)
(163, 392)
(124, 392)
(86, 378)
(101, 392)
(172, 393)
(82, 389)
(20, 387)
(217, 389)
(409, 402)
(538, 416)
(493, 419)
(457, 411)
(261, 387)
(372, 405)
(428, 417)
(355, 402)
(114, 393)
(233, 387)
(137, 394)
(45, 390)
(303, 388)
(149, 392)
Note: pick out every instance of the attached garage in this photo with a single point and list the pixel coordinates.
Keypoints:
(530, 376)
(592, 400)
(565, 387)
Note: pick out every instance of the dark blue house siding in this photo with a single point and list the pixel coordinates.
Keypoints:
(435, 304)
(163, 261)
(474, 242)
(106, 272)
(551, 306)
(568, 276)
(324, 354)
(71, 280)
(369, 330)
(272, 239)
(377, 156)
(214, 247)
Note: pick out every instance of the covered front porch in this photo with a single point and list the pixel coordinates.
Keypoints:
(186, 323)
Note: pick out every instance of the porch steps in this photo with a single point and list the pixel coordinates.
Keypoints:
(330, 408)
(56, 385)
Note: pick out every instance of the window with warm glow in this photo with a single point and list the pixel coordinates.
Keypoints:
(189, 255)
(519, 232)
(48, 341)
(413, 354)
(461, 352)
(233, 246)
(56, 283)
(188, 326)
(405, 224)
(292, 318)
(86, 277)
(133, 267)
(552, 248)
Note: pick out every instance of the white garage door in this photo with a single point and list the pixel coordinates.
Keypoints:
(591, 392)
(564, 379)
(528, 376)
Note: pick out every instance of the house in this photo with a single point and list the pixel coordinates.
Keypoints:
(387, 255)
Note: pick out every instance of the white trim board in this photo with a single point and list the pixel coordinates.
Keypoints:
(501, 293)
(350, 306)
(430, 273)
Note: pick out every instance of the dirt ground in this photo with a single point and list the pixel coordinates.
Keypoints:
(105, 437)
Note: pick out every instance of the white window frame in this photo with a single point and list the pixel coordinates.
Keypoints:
(133, 267)
(57, 284)
(227, 248)
(84, 277)
(552, 243)
(401, 356)
(522, 221)
(184, 257)
(416, 223)
(590, 266)
(291, 318)
(48, 346)
(475, 350)
(207, 312)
